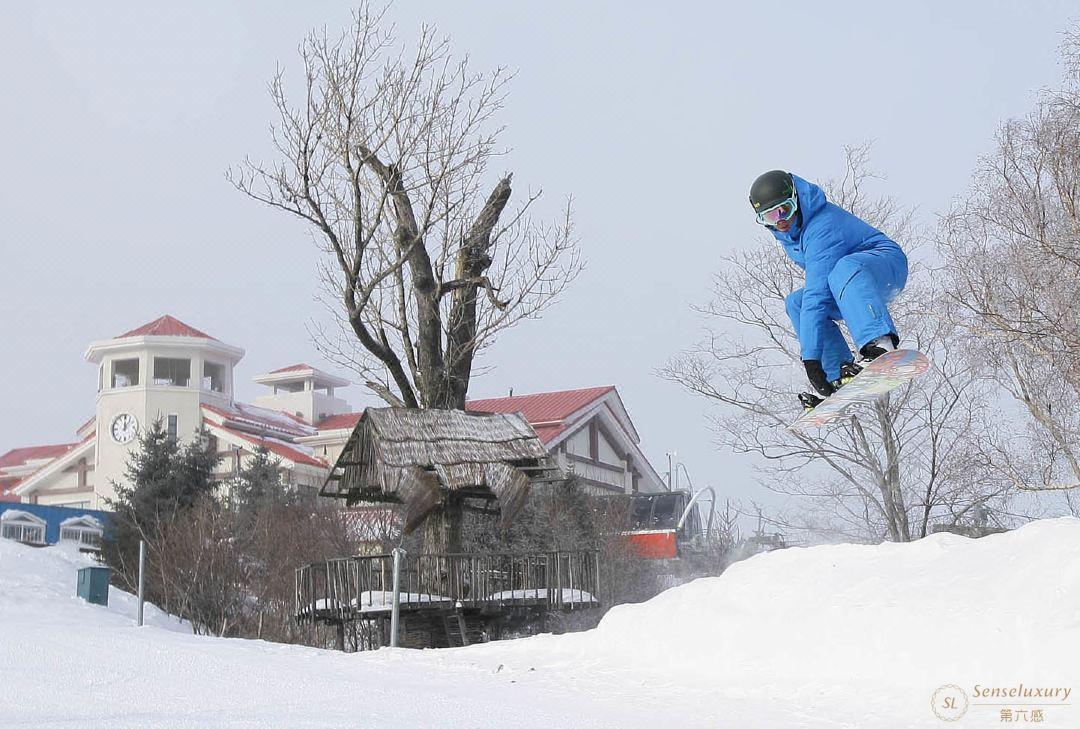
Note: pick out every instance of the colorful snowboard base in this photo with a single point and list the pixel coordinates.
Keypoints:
(886, 373)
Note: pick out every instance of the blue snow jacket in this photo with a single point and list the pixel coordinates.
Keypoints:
(824, 236)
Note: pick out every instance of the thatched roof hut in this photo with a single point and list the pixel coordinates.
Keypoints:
(419, 457)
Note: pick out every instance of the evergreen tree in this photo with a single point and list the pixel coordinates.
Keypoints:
(195, 472)
(259, 483)
(162, 480)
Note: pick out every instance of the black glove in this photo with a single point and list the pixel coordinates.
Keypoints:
(817, 377)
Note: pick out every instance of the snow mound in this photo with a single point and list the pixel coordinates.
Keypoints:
(822, 637)
(38, 583)
(946, 604)
(849, 635)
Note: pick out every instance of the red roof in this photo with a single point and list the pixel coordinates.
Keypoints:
(262, 417)
(340, 422)
(166, 326)
(548, 433)
(19, 456)
(277, 448)
(545, 411)
(293, 368)
(7, 485)
(542, 407)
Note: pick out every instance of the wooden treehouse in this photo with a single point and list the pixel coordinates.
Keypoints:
(433, 462)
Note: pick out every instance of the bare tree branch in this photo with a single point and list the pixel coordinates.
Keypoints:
(1012, 260)
(387, 158)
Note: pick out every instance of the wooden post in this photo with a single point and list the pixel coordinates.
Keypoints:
(311, 593)
(558, 574)
(596, 561)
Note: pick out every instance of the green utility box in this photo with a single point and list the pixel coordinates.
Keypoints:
(93, 585)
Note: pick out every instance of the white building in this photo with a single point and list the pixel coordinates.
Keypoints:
(166, 370)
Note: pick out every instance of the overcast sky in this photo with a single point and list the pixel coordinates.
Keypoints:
(118, 120)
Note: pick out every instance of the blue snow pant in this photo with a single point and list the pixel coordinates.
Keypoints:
(862, 285)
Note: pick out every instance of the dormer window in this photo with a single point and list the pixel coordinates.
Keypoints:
(125, 373)
(84, 531)
(172, 372)
(213, 379)
(22, 527)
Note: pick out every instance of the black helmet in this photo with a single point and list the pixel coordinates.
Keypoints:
(772, 188)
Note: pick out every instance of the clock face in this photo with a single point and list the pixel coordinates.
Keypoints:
(124, 428)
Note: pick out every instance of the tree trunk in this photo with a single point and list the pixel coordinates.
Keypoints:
(442, 528)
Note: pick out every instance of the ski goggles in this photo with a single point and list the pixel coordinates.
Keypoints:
(784, 211)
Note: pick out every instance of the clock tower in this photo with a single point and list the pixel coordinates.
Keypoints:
(164, 370)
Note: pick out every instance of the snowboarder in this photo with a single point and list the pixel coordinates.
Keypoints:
(853, 271)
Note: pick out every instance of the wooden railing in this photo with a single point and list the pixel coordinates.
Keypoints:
(352, 587)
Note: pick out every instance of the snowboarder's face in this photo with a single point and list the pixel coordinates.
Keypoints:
(780, 216)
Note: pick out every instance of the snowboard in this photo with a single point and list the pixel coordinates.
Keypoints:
(885, 373)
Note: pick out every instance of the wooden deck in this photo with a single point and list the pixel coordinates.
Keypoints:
(353, 588)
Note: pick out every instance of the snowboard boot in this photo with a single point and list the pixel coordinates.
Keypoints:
(848, 370)
(872, 350)
(808, 401)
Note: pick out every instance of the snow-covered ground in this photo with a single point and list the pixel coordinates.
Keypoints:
(830, 636)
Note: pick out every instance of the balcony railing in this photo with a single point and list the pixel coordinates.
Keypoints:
(355, 587)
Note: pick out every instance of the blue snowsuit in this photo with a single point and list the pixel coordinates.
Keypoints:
(852, 272)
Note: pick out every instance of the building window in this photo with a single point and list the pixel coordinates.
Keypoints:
(22, 527)
(28, 533)
(84, 531)
(173, 426)
(125, 373)
(306, 494)
(172, 372)
(83, 537)
(213, 377)
(664, 514)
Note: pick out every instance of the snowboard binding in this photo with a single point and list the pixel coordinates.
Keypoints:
(809, 402)
(848, 370)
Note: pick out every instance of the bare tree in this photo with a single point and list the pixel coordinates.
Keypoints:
(885, 474)
(232, 573)
(1012, 257)
(387, 157)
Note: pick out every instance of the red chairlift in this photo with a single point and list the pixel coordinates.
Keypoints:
(667, 525)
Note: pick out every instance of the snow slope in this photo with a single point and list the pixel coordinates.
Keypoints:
(830, 636)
